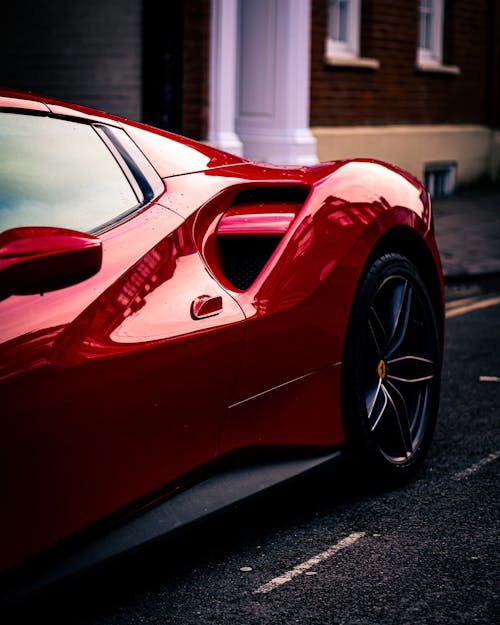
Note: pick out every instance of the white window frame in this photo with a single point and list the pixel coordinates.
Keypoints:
(350, 47)
(433, 54)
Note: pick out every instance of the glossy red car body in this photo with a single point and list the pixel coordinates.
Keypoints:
(121, 388)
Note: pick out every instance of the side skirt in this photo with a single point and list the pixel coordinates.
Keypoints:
(214, 494)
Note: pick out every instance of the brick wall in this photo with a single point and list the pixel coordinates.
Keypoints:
(91, 52)
(88, 52)
(196, 63)
(397, 93)
(493, 65)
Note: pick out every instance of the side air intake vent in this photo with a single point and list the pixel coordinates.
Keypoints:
(249, 232)
(244, 258)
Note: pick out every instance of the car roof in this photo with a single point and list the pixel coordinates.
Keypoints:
(171, 154)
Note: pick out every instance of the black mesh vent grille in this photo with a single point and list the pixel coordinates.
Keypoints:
(244, 257)
(271, 194)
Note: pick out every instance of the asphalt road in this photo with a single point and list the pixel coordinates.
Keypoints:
(329, 552)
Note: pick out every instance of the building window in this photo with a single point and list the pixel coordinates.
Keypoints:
(439, 178)
(343, 28)
(430, 43)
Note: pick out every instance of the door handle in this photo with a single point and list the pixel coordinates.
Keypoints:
(206, 306)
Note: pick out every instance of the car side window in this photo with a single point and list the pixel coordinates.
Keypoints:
(56, 172)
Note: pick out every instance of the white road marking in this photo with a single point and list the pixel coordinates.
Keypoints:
(462, 475)
(489, 378)
(461, 310)
(302, 568)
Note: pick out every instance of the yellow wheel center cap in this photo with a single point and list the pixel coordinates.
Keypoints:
(382, 369)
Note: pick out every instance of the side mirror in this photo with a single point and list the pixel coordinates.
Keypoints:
(39, 259)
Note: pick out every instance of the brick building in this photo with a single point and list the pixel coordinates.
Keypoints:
(415, 82)
(427, 96)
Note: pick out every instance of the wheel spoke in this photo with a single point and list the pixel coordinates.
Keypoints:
(399, 314)
(376, 403)
(377, 331)
(410, 369)
(398, 404)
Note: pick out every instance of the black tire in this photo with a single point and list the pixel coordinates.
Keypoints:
(390, 373)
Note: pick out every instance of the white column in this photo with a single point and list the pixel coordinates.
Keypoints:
(222, 78)
(272, 117)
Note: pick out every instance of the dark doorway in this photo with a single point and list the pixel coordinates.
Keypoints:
(163, 27)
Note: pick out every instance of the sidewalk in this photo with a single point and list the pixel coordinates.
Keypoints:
(467, 228)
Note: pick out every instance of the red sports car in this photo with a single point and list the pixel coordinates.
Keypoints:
(181, 328)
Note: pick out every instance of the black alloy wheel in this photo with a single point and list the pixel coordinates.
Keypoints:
(391, 371)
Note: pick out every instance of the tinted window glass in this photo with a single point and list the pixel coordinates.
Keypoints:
(58, 173)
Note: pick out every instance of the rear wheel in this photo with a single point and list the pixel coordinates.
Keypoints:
(390, 371)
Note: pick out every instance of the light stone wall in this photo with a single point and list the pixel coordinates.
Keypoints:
(475, 149)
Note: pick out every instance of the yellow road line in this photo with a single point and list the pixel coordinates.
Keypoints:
(461, 310)
(456, 303)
